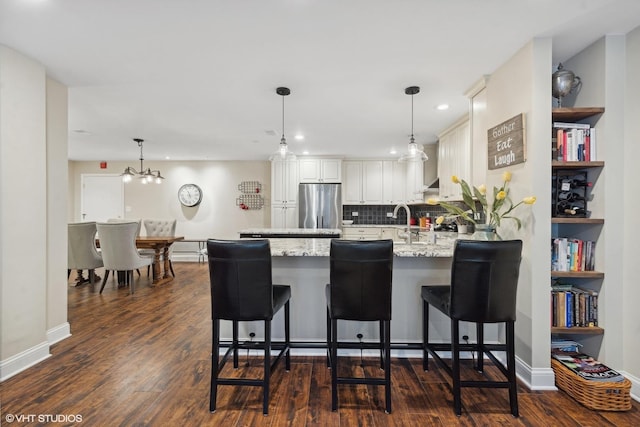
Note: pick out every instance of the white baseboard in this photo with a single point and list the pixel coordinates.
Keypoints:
(535, 378)
(58, 333)
(23, 360)
(635, 385)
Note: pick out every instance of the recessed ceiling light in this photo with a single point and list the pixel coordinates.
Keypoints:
(305, 152)
(299, 137)
(392, 151)
(442, 107)
(167, 158)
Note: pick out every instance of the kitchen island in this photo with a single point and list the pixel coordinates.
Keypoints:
(304, 265)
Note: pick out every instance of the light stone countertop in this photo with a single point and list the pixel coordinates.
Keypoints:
(320, 247)
(312, 231)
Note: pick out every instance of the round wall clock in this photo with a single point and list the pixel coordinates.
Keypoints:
(190, 195)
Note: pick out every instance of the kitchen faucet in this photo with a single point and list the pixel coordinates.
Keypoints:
(406, 236)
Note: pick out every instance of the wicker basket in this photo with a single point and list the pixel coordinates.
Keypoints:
(599, 396)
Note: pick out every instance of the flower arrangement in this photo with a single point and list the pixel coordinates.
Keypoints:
(501, 208)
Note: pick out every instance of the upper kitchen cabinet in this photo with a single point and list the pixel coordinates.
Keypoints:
(320, 170)
(394, 176)
(380, 182)
(362, 182)
(284, 182)
(454, 158)
(414, 181)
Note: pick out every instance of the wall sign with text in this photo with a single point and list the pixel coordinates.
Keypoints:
(506, 143)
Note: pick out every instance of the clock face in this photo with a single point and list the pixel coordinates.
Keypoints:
(190, 195)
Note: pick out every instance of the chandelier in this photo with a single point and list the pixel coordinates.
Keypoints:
(283, 152)
(414, 151)
(146, 175)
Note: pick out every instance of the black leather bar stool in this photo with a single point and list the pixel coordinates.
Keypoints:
(242, 290)
(360, 289)
(484, 279)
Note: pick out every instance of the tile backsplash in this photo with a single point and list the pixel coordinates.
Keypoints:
(377, 214)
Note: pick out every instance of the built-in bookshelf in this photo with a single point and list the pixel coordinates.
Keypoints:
(574, 223)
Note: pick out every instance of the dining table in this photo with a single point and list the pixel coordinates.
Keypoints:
(160, 245)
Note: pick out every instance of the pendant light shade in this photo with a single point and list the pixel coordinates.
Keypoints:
(147, 175)
(414, 151)
(283, 152)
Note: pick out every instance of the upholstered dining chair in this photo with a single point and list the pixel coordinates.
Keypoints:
(143, 252)
(484, 280)
(119, 252)
(81, 249)
(360, 274)
(242, 290)
(161, 228)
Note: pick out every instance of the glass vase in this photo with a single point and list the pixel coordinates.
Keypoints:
(485, 232)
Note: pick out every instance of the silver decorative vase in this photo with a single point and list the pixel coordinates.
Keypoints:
(563, 82)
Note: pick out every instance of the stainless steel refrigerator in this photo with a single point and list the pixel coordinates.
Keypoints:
(319, 206)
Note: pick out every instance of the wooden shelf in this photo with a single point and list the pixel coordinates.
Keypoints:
(594, 330)
(574, 114)
(571, 220)
(555, 164)
(578, 274)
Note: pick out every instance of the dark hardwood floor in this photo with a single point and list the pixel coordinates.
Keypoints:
(144, 359)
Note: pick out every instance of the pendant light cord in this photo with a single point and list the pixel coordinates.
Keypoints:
(283, 140)
(412, 138)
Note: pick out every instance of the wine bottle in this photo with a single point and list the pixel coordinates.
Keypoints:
(570, 196)
(565, 208)
(568, 184)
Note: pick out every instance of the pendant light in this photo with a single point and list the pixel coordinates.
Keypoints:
(414, 151)
(146, 175)
(283, 152)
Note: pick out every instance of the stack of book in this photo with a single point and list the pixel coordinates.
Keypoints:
(586, 366)
(574, 142)
(571, 254)
(571, 306)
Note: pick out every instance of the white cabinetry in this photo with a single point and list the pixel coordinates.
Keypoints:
(284, 193)
(320, 170)
(374, 182)
(394, 177)
(454, 158)
(414, 181)
(365, 233)
(284, 216)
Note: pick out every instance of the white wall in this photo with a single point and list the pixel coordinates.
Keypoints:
(216, 216)
(521, 85)
(23, 220)
(631, 290)
(57, 325)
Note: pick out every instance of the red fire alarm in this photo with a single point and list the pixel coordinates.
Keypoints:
(103, 165)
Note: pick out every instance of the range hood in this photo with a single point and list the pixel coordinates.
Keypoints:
(434, 187)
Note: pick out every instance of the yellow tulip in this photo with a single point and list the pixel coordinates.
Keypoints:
(501, 194)
(439, 220)
(482, 189)
(432, 201)
(506, 176)
(455, 179)
(529, 200)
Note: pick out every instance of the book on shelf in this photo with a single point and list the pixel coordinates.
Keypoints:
(573, 307)
(586, 366)
(574, 142)
(571, 254)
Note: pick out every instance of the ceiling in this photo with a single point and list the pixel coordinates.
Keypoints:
(197, 79)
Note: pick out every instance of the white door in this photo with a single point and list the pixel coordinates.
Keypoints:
(101, 197)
